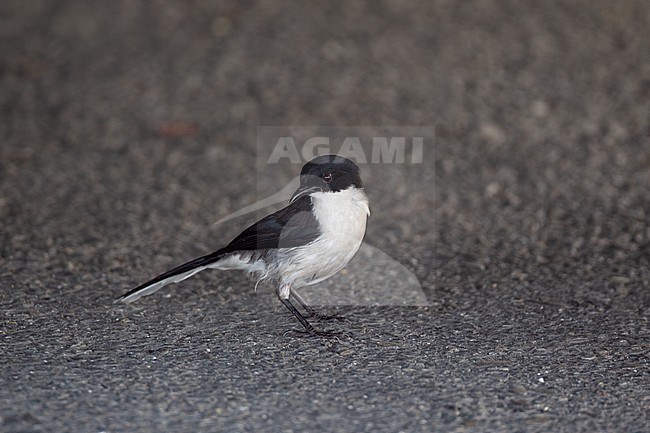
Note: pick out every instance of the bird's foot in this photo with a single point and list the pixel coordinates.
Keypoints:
(324, 317)
(311, 333)
(313, 314)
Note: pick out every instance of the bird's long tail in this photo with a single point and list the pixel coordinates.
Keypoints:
(175, 275)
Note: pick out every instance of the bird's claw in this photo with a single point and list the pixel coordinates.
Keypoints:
(325, 317)
(311, 333)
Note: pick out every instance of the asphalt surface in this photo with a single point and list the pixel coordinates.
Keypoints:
(129, 127)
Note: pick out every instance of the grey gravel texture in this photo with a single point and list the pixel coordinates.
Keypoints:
(129, 127)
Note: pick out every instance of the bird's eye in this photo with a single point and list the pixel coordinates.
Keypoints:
(327, 177)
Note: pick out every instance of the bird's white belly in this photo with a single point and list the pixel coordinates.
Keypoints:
(342, 217)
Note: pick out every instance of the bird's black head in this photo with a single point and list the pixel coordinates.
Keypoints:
(328, 173)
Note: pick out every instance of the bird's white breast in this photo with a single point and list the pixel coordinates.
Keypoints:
(342, 218)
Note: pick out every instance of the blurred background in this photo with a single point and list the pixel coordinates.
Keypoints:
(128, 128)
(129, 121)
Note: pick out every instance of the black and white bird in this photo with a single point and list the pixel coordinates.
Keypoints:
(307, 242)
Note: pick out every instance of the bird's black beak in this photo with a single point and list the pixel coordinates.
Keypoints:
(304, 190)
(308, 185)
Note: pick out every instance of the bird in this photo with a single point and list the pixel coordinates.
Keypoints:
(306, 242)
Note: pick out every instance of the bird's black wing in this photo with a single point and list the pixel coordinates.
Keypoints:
(293, 226)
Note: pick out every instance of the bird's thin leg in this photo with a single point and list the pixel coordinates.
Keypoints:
(283, 293)
(298, 315)
(311, 312)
